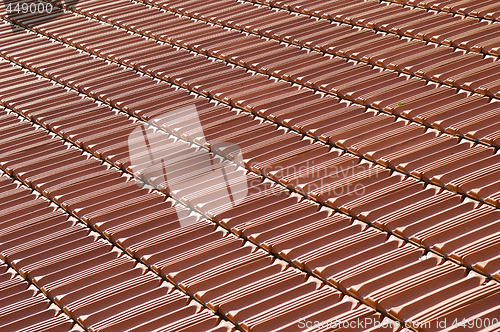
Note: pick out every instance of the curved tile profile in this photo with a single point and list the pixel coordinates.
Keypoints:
(263, 172)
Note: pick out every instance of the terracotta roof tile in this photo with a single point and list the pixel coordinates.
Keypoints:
(359, 186)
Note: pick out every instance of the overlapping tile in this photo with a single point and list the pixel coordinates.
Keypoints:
(256, 107)
(484, 9)
(216, 266)
(440, 64)
(465, 33)
(338, 203)
(24, 308)
(414, 103)
(160, 265)
(86, 277)
(186, 247)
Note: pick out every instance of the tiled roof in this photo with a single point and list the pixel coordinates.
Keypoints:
(250, 165)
